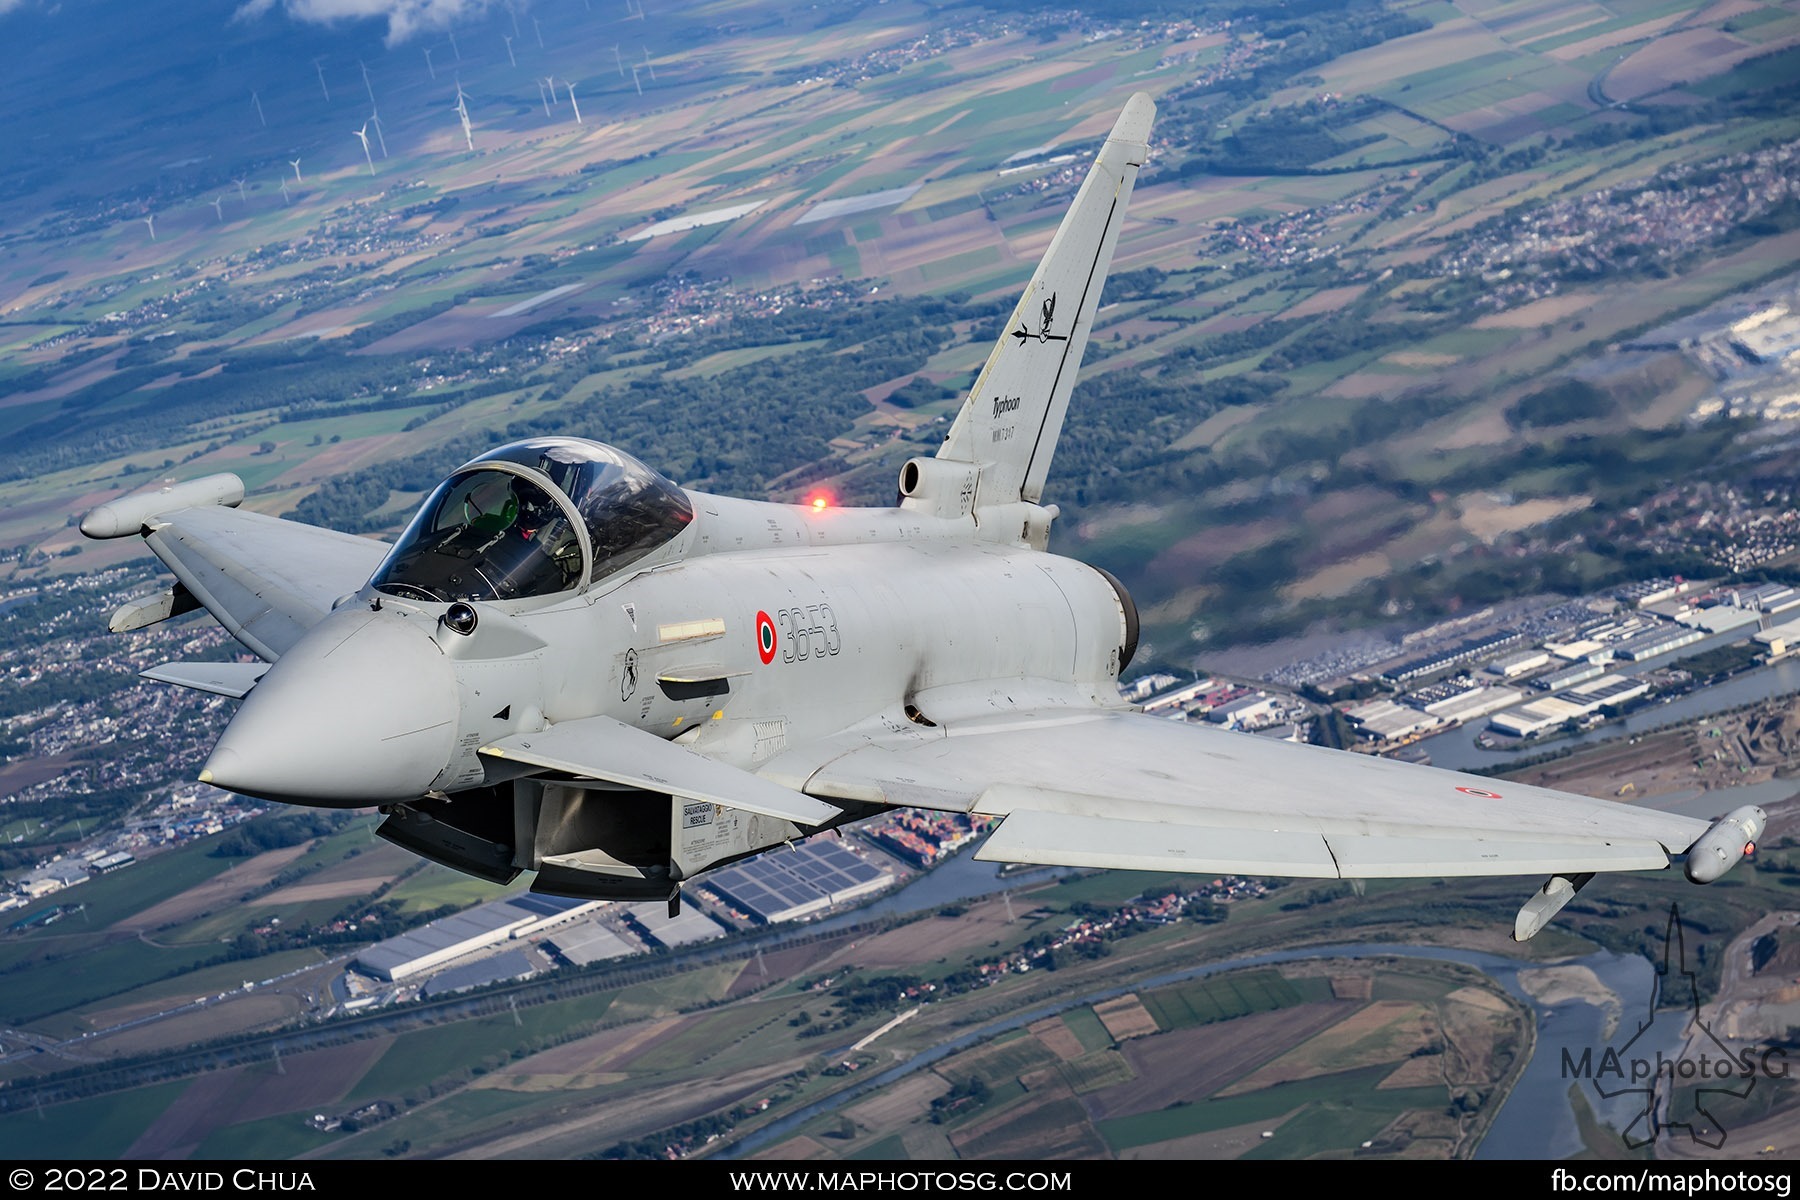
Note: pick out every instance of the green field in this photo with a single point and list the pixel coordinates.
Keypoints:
(85, 1130)
(1344, 1123)
(705, 1039)
(414, 1060)
(1006, 1057)
(1112, 887)
(435, 886)
(887, 1148)
(1088, 1029)
(206, 981)
(1101, 1069)
(113, 898)
(1205, 1001)
(270, 1138)
(714, 364)
(33, 992)
(1334, 1108)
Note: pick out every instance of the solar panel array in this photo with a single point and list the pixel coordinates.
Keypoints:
(783, 885)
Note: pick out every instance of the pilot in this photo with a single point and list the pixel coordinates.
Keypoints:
(542, 521)
(536, 511)
(492, 505)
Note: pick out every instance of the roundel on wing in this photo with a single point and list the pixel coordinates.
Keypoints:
(765, 638)
(1478, 792)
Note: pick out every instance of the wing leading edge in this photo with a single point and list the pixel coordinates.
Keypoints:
(266, 580)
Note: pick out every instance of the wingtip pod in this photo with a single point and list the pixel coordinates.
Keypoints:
(129, 515)
(1720, 848)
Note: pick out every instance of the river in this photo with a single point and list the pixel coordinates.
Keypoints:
(1536, 1121)
(960, 877)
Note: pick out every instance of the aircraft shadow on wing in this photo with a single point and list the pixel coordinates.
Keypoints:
(568, 665)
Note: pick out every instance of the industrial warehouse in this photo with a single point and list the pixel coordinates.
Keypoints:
(1586, 661)
(489, 943)
(1571, 704)
(483, 928)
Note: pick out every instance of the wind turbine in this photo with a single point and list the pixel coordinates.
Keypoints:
(380, 138)
(635, 80)
(362, 135)
(634, 12)
(242, 199)
(572, 103)
(620, 60)
(295, 163)
(366, 83)
(509, 53)
(539, 30)
(453, 47)
(257, 101)
(544, 96)
(550, 82)
(284, 191)
(462, 112)
(648, 65)
(318, 65)
(428, 65)
(150, 223)
(219, 207)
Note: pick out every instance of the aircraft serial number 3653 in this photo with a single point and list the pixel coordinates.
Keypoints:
(809, 632)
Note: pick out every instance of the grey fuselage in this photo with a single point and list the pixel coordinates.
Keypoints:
(902, 604)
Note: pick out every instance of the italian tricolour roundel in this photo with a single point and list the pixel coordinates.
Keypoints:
(1479, 793)
(765, 638)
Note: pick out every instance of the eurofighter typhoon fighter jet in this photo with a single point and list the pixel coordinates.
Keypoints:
(569, 665)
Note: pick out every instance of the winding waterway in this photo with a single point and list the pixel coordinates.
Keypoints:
(1536, 1120)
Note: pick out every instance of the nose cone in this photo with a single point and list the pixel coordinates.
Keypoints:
(362, 710)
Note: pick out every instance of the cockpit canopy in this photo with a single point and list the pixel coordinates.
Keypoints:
(533, 518)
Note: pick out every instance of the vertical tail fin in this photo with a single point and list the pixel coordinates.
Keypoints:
(1008, 426)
